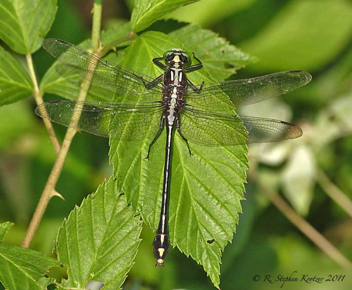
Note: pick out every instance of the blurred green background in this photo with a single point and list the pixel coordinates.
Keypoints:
(311, 35)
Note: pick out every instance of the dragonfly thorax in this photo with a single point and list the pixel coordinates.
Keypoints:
(175, 83)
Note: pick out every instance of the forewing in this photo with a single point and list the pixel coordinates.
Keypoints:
(123, 121)
(249, 91)
(213, 128)
(108, 75)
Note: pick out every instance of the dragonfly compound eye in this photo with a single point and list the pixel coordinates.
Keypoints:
(184, 57)
(169, 55)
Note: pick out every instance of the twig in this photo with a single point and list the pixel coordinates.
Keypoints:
(38, 96)
(113, 44)
(97, 12)
(49, 190)
(302, 224)
(334, 192)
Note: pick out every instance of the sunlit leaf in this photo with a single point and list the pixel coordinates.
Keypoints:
(16, 119)
(99, 240)
(194, 195)
(22, 268)
(24, 23)
(4, 228)
(147, 12)
(203, 12)
(206, 188)
(304, 35)
(15, 83)
(219, 57)
(63, 82)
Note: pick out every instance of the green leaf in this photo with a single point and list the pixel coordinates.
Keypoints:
(22, 268)
(207, 13)
(206, 188)
(16, 120)
(15, 83)
(228, 165)
(4, 228)
(147, 12)
(218, 56)
(24, 23)
(323, 27)
(99, 240)
(61, 81)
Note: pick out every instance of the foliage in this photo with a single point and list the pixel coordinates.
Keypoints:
(100, 238)
(25, 23)
(14, 81)
(22, 268)
(204, 204)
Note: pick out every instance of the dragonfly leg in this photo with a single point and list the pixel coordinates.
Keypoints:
(159, 78)
(197, 65)
(158, 63)
(161, 126)
(183, 137)
(153, 82)
(194, 88)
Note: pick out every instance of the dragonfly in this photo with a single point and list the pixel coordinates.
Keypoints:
(203, 114)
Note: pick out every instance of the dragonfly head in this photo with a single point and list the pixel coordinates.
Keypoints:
(176, 55)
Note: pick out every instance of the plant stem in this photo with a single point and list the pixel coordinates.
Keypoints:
(49, 190)
(334, 192)
(113, 44)
(38, 96)
(302, 224)
(97, 12)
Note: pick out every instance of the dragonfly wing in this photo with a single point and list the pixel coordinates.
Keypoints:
(263, 130)
(124, 121)
(213, 128)
(249, 91)
(108, 75)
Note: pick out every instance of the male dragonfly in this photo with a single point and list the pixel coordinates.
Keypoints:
(201, 114)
